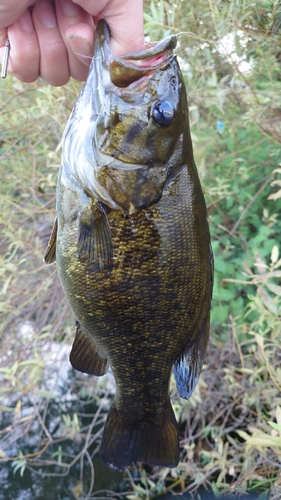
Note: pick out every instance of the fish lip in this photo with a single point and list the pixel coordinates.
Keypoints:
(132, 67)
(153, 50)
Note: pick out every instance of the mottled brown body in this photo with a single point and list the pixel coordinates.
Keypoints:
(138, 276)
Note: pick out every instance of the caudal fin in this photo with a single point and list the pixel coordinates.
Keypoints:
(124, 443)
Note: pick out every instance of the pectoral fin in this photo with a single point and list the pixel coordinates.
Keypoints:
(188, 366)
(94, 241)
(50, 254)
(84, 355)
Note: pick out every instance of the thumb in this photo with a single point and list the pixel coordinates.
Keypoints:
(126, 27)
(125, 21)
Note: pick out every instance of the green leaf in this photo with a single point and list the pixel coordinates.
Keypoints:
(6, 408)
(219, 314)
(274, 288)
(43, 393)
(274, 254)
(275, 426)
(237, 45)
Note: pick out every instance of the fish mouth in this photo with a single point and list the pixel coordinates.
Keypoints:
(133, 67)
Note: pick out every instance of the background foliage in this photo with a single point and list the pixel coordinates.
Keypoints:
(230, 53)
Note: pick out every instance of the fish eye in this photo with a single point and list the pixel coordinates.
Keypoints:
(163, 113)
(173, 81)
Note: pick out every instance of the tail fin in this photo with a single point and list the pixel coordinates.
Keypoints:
(125, 443)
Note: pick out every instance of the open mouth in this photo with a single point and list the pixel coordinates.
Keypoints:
(127, 69)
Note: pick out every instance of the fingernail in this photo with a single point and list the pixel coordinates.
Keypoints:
(46, 15)
(26, 22)
(69, 8)
(80, 46)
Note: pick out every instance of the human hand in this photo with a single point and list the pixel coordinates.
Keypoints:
(54, 39)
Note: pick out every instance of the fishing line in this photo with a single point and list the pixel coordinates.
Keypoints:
(192, 35)
(83, 56)
(193, 90)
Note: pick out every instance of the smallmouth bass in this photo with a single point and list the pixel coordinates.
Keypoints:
(132, 245)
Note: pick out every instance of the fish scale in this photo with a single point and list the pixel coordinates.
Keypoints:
(132, 247)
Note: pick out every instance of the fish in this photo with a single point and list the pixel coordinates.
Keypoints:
(132, 245)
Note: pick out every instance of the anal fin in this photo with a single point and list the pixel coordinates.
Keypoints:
(84, 355)
(94, 241)
(50, 254)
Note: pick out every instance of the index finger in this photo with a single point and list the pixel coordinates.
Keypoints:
(12, 10)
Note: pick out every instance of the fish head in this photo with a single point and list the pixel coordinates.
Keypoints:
(139, 116)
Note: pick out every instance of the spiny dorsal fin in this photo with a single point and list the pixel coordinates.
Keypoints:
(50, 254)
(94, 241)
(84, 355)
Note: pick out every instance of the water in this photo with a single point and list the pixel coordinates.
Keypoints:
(41, 480)
(37, 487)
(74, 413)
